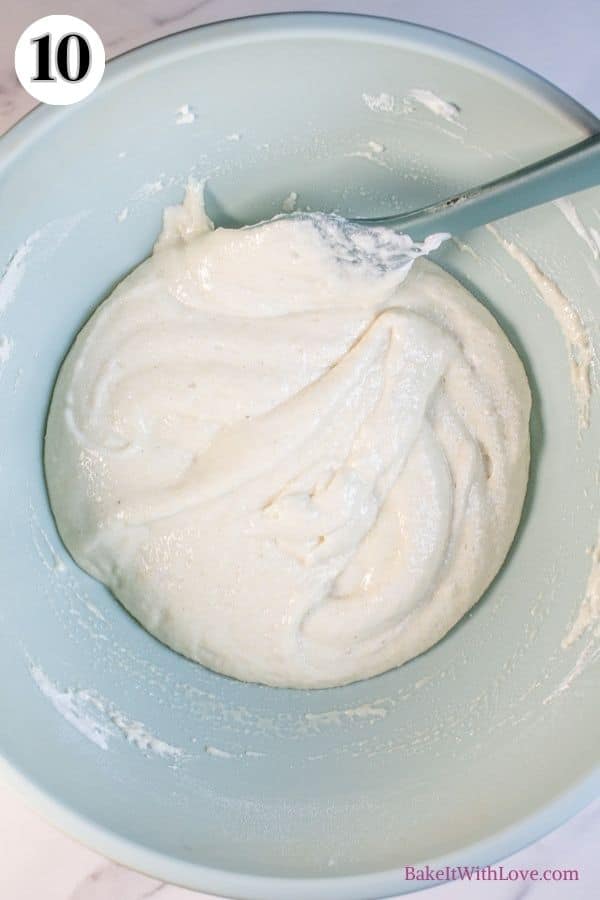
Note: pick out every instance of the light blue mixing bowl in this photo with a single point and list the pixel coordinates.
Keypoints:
(463, 755)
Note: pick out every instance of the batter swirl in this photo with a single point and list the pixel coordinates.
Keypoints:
(291, 458)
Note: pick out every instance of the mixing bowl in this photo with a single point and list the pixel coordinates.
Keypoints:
(461, 756)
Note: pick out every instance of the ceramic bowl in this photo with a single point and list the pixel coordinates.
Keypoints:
(465, 754)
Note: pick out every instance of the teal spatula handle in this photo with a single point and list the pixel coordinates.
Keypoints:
(566, 172)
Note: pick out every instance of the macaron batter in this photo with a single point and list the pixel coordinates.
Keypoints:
(295, 454)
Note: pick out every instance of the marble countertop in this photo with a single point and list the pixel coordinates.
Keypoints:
(37, 862)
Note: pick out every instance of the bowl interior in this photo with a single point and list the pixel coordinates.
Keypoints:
(434, 760)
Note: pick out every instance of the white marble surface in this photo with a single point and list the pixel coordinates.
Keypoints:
(37, 862)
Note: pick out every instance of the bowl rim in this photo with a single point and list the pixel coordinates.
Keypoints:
(135, 855)
(42, 116)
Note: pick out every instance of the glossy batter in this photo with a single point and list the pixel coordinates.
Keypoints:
(293, 457)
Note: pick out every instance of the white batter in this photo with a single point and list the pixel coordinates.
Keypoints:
(289, 457)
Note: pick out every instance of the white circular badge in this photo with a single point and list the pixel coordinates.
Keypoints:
(59, 60)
